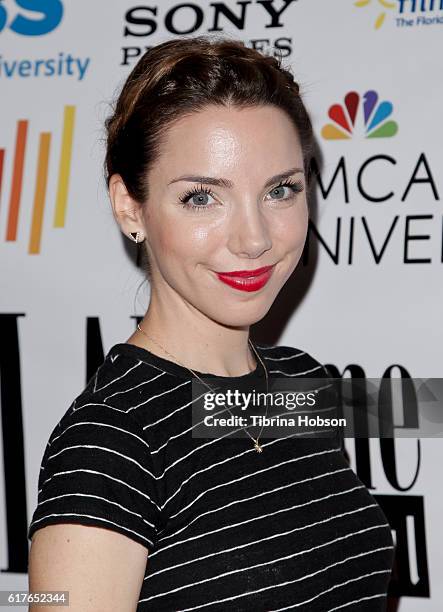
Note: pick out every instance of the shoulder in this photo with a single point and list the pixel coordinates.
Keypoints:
(125, 395)
(121, 372)
(97, 467)
(291, 361)
(122, 381)
(102, 409)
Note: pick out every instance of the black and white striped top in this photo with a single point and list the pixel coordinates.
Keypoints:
(226, 527)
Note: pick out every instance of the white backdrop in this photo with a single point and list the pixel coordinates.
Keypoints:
(372, 312)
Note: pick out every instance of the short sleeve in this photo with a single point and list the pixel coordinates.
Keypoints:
(97, 470)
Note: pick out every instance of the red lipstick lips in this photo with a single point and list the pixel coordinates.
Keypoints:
(247, 280)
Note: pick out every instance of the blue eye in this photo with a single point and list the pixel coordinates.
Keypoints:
(197, 198)
(278, 192)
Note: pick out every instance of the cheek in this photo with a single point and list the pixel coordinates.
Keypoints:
(186, 241)
(289, 231)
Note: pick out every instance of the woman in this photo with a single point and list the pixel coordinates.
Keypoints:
(207, 158)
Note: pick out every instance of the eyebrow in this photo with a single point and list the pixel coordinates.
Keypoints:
(222, 182)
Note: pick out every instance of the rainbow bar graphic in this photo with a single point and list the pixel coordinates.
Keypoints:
(40, 193)
(65, 167)
(17, 180)
(41, 180)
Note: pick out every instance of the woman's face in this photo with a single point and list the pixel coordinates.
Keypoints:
(240, 216)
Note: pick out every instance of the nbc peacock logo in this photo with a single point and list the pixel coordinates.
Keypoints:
(360, 114)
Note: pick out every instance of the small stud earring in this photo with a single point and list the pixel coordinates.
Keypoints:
(135, 236)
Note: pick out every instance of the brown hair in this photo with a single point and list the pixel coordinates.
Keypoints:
(182, 76)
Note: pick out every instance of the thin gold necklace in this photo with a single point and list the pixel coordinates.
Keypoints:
(257, 446)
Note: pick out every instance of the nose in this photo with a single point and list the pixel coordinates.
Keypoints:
(249, 232)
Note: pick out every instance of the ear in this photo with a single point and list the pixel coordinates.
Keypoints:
(127, 211)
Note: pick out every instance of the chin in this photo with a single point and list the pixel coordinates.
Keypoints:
(243, 315)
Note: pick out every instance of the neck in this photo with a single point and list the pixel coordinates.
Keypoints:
(194, 340)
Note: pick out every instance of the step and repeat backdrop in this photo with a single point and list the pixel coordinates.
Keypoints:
(371, 75)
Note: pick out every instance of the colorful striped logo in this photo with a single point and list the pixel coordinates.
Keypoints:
(375, 117)
(41, 180)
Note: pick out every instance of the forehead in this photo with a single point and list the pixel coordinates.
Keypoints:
(218, 139)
